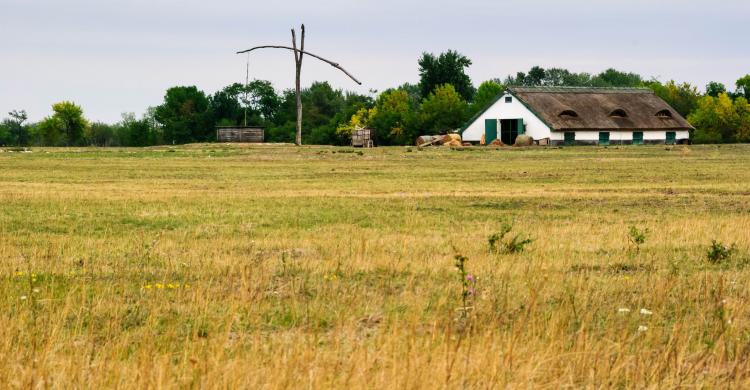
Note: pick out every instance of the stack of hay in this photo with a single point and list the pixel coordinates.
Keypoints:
(451, 140)
(445, 140)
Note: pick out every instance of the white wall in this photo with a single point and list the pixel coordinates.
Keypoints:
(502, 110)
(621, 135)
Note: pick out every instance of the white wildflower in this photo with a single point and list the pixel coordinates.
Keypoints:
(646, 312)
(23, 297)
(36, 290)
(642, 328)
(623, 310)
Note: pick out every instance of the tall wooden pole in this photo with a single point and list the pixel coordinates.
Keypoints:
(298, 53)
(298, 64)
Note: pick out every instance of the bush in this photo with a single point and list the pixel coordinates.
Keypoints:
(718, 252)
(497, 242)
(637, 237)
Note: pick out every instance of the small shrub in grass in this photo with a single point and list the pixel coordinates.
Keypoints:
(498, 242)
(637, 237)
(718, 252)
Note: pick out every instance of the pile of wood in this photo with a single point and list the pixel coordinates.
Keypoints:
(445, 140)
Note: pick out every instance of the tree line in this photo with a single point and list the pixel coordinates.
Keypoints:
(444, 99)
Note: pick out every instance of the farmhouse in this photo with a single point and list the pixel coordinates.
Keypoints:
(578, 116)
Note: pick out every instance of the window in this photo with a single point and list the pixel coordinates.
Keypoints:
(567, 114)
(508, 99)
(671, 137)
(604, 138)
(664, 114)
(618, 113)
(570, 138)
(637, 138)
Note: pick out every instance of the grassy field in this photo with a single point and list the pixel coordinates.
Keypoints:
(274, 267)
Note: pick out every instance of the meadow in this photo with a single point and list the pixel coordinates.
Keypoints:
(271, 266)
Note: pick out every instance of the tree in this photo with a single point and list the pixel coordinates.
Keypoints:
(615, 78)
(486, 94)
(100, 134)
(743, 87)
(714, 89)
(66, 126)
(447, 68)
(443, 110)
(16, 133)
(719, 119)
(5, 137)
(394, 117)
(682, 97)
(185, 116)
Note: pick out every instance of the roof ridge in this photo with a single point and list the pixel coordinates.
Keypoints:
(542, 88)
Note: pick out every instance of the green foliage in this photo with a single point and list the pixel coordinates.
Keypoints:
(714, 89)
(538, 76)
(719, 119)
(637, 237)
(682, 97)
(486, 94)
(65, 127)
(498, 243)
(185, 116)
(394, 118)
(718, 252)
(5, 136)
(442, 110)
(446, 68)
(743, 87)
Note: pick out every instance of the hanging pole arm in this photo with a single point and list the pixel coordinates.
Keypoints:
(334, 64)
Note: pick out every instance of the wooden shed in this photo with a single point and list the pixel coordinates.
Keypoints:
(363, 138)
(254, 134)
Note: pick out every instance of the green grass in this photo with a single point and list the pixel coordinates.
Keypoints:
(333, 267)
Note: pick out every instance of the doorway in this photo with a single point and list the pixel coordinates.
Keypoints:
(510, 129)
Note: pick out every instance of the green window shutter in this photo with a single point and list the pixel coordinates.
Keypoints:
(521, 128)
(570, 138)
(604, 138)
(490, 130)
(671, 137)
(637, 138)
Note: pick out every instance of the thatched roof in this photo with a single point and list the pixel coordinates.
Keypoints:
(569, 108)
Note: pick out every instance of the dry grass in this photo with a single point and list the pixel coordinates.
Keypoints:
(269, 267)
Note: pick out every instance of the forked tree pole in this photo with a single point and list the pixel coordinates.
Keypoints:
(298, 53)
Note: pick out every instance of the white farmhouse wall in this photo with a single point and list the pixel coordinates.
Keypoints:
(621, 135)
(502, 110)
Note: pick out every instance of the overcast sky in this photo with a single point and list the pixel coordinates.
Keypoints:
(114, 56)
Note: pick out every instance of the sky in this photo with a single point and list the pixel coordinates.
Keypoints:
(115, 56)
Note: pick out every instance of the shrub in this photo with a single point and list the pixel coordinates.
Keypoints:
(637, 237)
(497, 242)
(718, 252)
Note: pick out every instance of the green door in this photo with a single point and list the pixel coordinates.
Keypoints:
(521, 128)
(604, 138)
(490, 130)
(570, 138)
(671, 137)
(637, 138)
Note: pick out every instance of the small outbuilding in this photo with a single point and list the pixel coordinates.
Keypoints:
(578, 116)
(364, 138)
(253, 134)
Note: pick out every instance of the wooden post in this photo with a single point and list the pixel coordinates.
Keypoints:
(298, 65)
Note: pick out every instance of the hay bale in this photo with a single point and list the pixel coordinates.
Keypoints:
(523, 140)
(452, 143)
(451, 137)
(497, 142)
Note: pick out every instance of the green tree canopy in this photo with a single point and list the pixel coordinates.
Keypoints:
(743, 87)
(394, 118)
(446, 68)
(443, 110)
(714, 89)
(185, 116)
(682, 97)
(66, 126)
